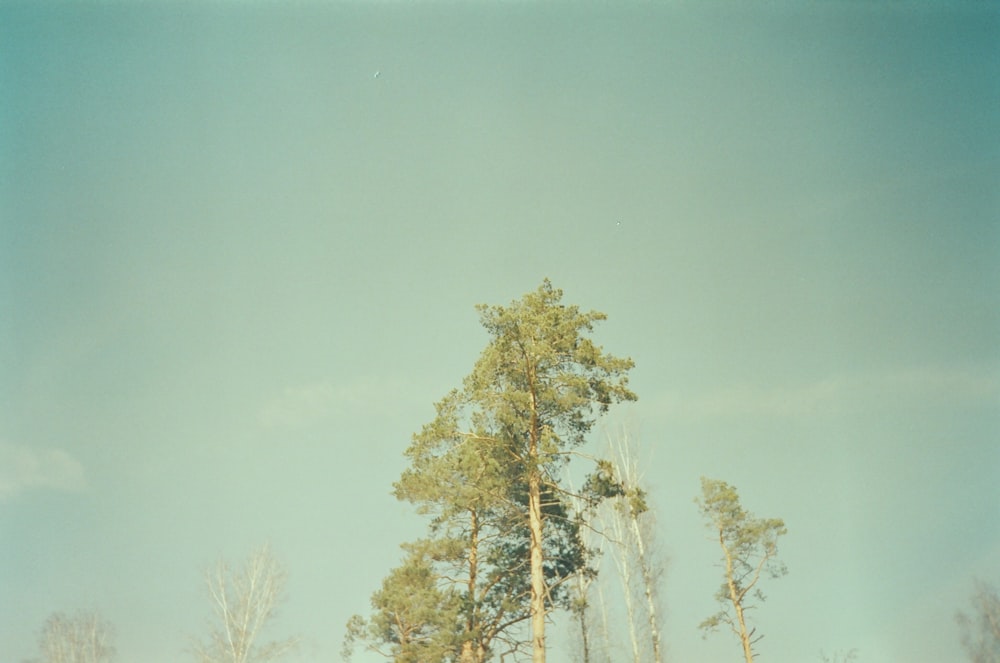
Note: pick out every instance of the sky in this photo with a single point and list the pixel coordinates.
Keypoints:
(237, 269)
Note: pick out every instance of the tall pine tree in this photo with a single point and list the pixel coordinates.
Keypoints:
(535, 392)
(489, 472)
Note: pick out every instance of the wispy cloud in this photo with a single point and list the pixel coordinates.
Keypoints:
(306, 404)
(23, 469)
(844, 394)
(300, 405)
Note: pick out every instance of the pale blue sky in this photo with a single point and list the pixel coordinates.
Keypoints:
(237, 270)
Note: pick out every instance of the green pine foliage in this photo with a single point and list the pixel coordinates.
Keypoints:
(487, 473)
(413, 618)
(749, 549)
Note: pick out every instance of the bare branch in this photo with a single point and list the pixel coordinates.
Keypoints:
(81, 638)
(244, 602)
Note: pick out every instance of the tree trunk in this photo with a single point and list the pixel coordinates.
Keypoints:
(472, 653)
(621, 554)
(538, 589)
(737, 601)
(744, 636)
(469, 653)
(606, 648)
(647, 582)
(537, 569)
(583, 614)
(625, 572)
(625, 458)
(584, 636)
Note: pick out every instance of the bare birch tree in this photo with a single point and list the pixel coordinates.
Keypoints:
(602, 647)
(592, 626)
(81, 638)
(244, 601)
(631, 519)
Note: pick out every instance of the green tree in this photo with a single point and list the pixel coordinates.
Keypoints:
(487, 469)
(466, 484)
(536, 391)
(981, 630)
(414, 616)
(749, 548)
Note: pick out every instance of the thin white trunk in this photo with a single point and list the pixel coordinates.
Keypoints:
(623, 562)
(625, 458)
(605, 628)
(648, 581)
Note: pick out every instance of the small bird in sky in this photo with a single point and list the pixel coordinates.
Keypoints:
(377, 74)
